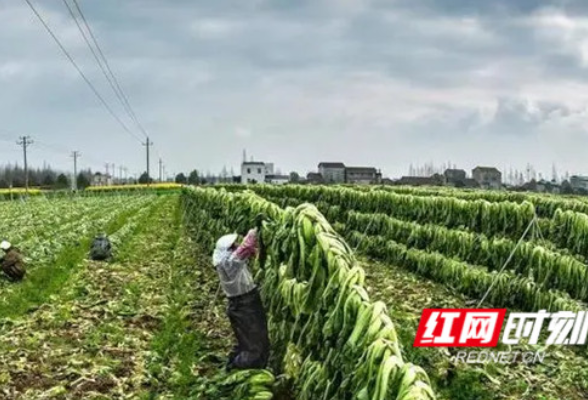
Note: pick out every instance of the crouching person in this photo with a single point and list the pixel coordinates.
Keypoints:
(12, 262)
(101, 249)
(245, 310)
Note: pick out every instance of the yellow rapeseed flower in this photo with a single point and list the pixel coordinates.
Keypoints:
(158, 186)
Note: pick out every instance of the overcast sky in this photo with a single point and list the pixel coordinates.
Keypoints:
(382, 83)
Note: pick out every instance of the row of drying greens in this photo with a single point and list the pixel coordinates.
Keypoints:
(314, 292)
(567, 230)
(534, 279)
(546, 205)
(467, 262)
(547, 268)
(501, 289)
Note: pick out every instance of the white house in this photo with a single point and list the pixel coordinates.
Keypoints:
(100, 179)
(253, 172)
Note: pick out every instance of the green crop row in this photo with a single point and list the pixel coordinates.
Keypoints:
(548, 269)
(492, 219)
(546, 204)
(333, 341)
(568, 230)
(504, 289)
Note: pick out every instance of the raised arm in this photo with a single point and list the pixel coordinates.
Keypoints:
(248, 248)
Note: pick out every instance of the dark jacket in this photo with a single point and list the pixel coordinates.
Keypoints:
(13, 265)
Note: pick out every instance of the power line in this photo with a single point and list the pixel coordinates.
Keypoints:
(102, 64)
(124, 99)
(98, 61)
(72, 61)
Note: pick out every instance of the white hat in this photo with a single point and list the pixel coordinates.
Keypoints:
(222, 252)
(226, 241)
(5, 245)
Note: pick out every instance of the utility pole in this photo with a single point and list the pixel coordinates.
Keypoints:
(107, 165)
(160, 170)
(75, 155)
(25, 142)
(148, 144)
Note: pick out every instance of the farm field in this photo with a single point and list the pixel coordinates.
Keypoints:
(344, 284)
(126, 329)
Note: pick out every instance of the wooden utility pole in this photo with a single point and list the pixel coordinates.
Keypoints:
(148, 144)
(25, 142)
(75, 155)
(160, 170)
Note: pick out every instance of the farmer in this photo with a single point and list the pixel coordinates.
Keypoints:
(12, 262)
(245, 310)
(101, 249)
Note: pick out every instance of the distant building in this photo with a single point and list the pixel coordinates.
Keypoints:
(362, 175)
(269, 168)
(579, 182)
(252, 172)
(332, 172)
(488, 177)
(277, 179)
(387, 181)
(470, 183)
(420, 181)
(454, 177)
(314, 178)
(541, 186)
(100, 179)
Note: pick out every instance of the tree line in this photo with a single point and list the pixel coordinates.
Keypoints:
(50, 178)
(193, 178)
(46, 177)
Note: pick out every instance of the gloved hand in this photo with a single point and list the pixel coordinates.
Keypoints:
(259, 218)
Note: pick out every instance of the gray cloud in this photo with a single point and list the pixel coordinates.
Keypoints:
(368, 82)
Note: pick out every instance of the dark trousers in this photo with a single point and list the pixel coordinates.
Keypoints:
(249, 324)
